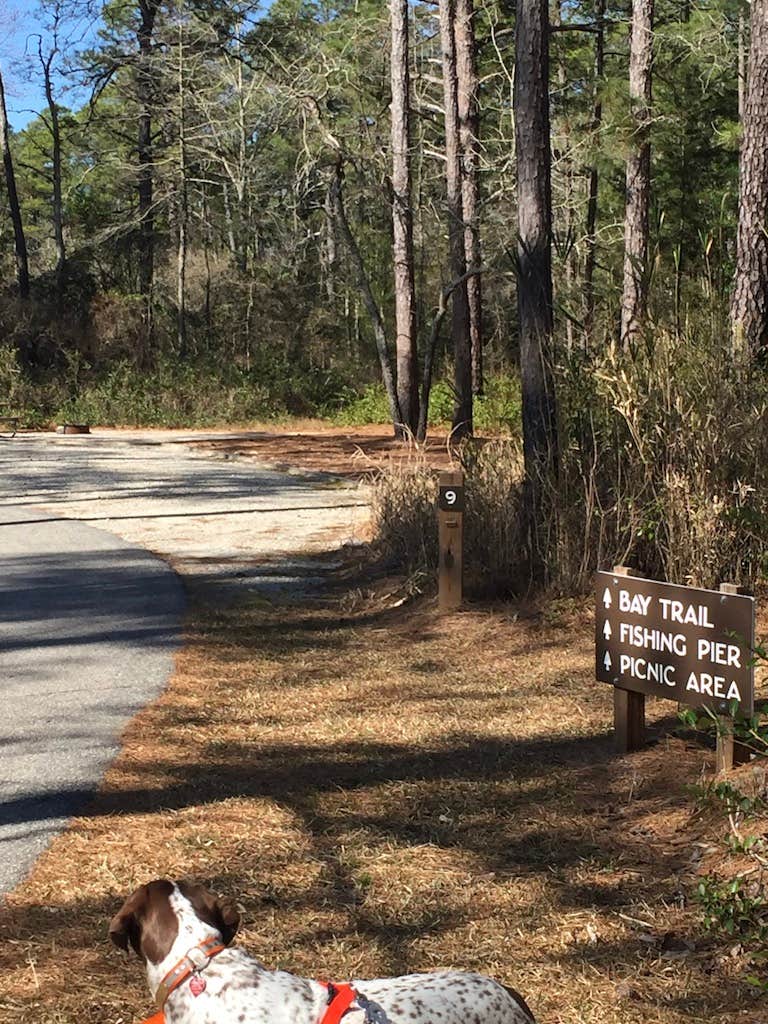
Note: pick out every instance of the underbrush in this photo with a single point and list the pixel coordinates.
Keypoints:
(498, 411)
(661, 468)
(731, 892)
(170, 394)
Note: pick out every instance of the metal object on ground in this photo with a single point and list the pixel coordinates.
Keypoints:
(74, 428)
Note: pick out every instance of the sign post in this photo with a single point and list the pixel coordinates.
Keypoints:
(628, 706)
(450, 522)
(729, 751)
(682, 643)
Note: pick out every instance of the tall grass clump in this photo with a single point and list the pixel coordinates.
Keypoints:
(403, 512)
(662, 467)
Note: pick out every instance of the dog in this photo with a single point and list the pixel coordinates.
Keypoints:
(182, 932)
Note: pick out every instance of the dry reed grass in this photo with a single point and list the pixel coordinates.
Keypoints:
(386, 791)
(661, 466)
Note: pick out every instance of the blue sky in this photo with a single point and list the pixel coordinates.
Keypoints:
(18, 54)
(18, 58)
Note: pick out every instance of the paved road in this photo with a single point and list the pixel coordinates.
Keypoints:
(88, 626)
(89, 619)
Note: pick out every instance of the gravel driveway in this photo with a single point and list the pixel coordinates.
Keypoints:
(214, 519)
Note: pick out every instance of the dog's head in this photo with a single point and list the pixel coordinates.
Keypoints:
(150, 918)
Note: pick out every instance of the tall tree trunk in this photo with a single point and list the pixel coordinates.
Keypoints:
(146, 96)
(742, 62)
(182, 207)
(566, 177)
(402, 223)
(460, 333)
(364, 286)
(14, 207)
(534, 273)
(46, 63)
(638, 187)
(749, 305)
(469, 131)
(594, 176)
(228, 220)
(329, 248)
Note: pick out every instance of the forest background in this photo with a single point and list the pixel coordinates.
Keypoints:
(526, 217)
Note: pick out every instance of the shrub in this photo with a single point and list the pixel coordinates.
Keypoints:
(661, 467)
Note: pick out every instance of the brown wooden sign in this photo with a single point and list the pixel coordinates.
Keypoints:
(689, 645)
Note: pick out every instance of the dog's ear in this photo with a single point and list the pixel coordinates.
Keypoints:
(221, 914)
(230, 920)
(125, 926)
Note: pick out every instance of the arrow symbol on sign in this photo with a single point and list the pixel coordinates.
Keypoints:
(607, 630)
(607, 661)
(607, 600)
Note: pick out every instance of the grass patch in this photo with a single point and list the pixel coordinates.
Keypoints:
(386, 791)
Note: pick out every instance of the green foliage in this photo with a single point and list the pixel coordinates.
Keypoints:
(170, 394)
(499, 409)
(749, 729)
(727, 797)
(369, 406)
(733, 907)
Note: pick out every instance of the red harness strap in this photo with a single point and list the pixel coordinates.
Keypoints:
(340, 998)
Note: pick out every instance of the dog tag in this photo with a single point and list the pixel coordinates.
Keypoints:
(196, 985)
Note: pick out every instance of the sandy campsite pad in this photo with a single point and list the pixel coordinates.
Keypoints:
(232, 521)
(347, 452)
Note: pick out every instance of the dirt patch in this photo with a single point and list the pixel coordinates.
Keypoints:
(387, 791)
(351, 453)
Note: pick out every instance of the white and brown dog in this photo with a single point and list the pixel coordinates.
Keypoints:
(182, 932)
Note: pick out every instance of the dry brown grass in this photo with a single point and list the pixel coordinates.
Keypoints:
(385, 791)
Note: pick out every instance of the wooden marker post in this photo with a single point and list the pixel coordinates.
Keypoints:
(729, 751)
(628, 706)
(450, 524)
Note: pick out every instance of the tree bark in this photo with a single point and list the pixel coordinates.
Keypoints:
(57, 205)
(469, 131)
(146, 96)
(590, 260)
(19, 239)
(402, 223)
(749, 305)
(638, 182)
(364, 286)
(742, 62)
(534, 273)
(460, 332)
(182, 211)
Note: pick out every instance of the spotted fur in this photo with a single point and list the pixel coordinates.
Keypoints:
(162, 920)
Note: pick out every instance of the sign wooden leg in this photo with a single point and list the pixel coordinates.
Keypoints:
(628, 720)
(729, 751)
